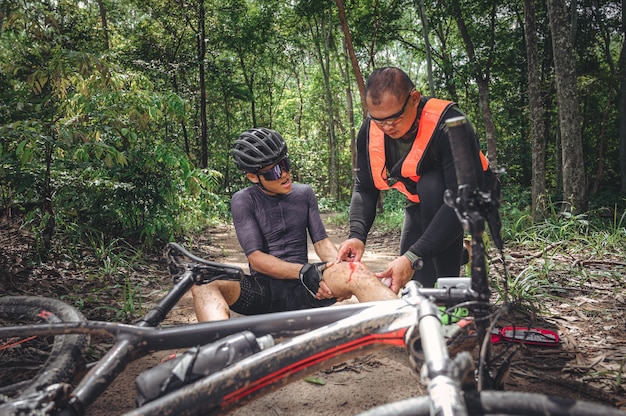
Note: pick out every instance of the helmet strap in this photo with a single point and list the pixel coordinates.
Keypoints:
(260, 185)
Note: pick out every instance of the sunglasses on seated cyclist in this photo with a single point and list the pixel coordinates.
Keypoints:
(275, 172)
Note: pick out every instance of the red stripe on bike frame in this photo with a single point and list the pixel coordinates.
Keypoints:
(391, 338)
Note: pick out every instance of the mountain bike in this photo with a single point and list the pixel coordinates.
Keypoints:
(228, 363)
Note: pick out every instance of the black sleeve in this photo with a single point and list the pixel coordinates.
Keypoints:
(364, 195)
(445, 226)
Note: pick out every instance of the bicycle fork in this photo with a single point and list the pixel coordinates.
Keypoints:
(442, 375)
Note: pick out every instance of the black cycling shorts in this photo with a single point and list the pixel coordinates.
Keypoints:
(263, 294)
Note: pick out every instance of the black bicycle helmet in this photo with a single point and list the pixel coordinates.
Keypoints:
(258, 147)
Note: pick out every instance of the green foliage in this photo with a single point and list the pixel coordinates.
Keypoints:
(106, 122)
(558, 226)
(557, 237)
(529, 289)
(392, 216)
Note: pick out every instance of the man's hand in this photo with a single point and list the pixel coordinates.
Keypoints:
(324, 292)
(400, 272)
(351, 250)
(311, 275)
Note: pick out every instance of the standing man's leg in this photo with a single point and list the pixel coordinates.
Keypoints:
(411, 232)
(446, 252)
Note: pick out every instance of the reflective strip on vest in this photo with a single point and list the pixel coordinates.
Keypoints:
(429, 119)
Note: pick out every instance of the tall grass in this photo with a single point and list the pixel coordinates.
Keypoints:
(554, 248)
(557, 247)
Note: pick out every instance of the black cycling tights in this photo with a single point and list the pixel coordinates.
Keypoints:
(433, 231)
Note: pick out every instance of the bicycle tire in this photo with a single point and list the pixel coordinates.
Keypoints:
(512, 403)
(61, 358)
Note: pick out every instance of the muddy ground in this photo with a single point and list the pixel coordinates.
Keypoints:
(590, 318)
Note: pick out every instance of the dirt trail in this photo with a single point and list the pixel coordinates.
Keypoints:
(348, 388)
(590, 319)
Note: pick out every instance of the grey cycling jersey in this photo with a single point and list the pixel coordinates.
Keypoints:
(277, 225)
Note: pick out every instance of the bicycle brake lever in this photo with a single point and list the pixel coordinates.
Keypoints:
(410, 290)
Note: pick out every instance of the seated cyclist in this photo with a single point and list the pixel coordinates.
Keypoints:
(272, 218)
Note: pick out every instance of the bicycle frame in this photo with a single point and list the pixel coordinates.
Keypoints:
(377, 325)
(135, 341)
(332, 335)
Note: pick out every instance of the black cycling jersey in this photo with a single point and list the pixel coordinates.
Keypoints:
(276, 225)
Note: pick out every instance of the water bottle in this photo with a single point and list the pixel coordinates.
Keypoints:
(196, 363)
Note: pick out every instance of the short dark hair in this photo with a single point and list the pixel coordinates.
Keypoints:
(388, 79)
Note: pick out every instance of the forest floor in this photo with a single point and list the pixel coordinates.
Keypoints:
(590, 318)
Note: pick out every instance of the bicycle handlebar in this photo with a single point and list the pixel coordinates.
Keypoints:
(205, 271)
(462, 151)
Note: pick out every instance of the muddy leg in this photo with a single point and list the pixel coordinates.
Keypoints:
(355, 278)
(211, 301)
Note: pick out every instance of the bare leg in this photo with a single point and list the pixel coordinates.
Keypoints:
(212, 301)
(355, 278)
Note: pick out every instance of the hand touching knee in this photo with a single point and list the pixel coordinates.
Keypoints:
(354, 278)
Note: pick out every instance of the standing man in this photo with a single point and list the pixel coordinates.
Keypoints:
(403, 144)
(272, 218)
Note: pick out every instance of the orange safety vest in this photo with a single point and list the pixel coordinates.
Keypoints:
(431, 113)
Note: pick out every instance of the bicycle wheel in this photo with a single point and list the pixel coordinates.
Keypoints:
(512, 403)
(27, 364)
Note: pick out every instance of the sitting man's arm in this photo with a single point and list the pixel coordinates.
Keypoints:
(273, 266)
(280, 269)
(325, 250)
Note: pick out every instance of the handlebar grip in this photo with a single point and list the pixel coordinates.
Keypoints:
(462, 152)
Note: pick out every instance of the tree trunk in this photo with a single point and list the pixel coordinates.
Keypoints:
(355, 63)
(300, 114)
(574, 180)
(490, 128)
(622, 103)
(322, 38)
(249, 81)
(345, 73)
(622, 132)
(601, 143)
(482, 74)
(535, 113)
(429, 61)
(359, 80)
(614, 89)
(105, 25)
(204, 162)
